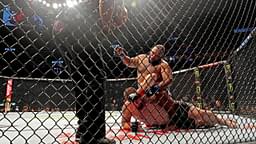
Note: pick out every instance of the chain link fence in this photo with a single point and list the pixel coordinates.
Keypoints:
(62, 82)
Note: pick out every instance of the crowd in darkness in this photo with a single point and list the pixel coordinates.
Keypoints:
(115, 104)
(215, 104)
(28, 108)
(208, 104)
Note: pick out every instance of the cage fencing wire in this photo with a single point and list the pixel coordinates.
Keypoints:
(61, 81)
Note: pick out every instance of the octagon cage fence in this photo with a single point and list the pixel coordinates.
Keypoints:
(62, 82)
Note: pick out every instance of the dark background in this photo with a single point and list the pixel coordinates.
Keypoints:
(194, 33)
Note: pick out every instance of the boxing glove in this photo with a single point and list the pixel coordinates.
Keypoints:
(115, 44)
(152, 90)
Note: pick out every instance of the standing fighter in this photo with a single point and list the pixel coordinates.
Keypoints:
(152, 104)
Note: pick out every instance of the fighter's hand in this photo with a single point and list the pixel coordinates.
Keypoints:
(153, 90)
(119, 51)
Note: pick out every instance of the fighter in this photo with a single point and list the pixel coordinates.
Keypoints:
(152, 104)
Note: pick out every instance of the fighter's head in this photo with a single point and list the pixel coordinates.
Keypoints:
(156, 53)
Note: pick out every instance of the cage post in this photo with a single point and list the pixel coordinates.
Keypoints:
(199, 100)
(230, 89)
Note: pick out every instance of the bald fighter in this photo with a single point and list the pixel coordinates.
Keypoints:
(152, 104)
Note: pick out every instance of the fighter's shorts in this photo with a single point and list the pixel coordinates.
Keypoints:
(180, 118)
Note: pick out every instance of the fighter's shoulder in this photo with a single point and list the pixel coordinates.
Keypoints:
(164, 63)
(141, 56)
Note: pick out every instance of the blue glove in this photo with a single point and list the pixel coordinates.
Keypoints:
(115, 44)
(153, 90)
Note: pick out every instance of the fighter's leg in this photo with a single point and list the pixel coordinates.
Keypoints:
(126, 115)
(206, 117)
(129, 108)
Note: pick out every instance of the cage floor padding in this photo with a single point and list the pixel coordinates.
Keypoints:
(59, 127)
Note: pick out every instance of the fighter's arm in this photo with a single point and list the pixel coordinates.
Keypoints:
(132, 62)
(166, 73)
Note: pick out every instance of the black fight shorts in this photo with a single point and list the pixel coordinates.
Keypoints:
(180, 118)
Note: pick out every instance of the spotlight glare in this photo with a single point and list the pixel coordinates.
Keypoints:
(44, 2)
(48, 5)
(133, 4)
(39, 0)
(69, 3)
(75, 2)
(55, 5)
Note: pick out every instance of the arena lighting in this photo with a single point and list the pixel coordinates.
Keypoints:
(48, 5)
(55, 5)
(133, 4)
(242, 30)
(75, 2)
(71, 3)
(66, 3)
